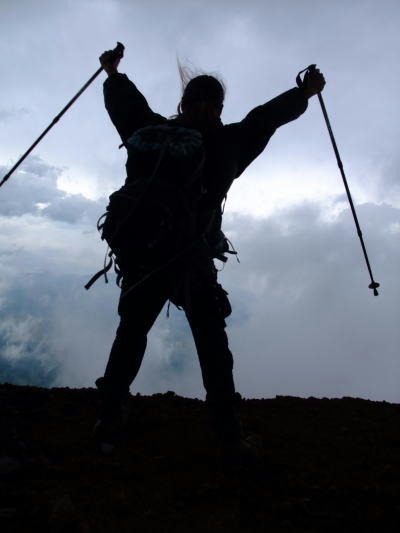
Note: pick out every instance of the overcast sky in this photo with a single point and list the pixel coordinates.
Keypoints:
(304, 322)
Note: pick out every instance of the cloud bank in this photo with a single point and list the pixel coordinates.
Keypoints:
(304, 321)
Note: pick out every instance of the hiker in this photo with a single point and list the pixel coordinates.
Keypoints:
(191, 280)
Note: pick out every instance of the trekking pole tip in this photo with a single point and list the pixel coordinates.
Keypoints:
(374, 285)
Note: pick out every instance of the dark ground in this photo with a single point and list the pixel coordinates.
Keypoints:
(333, 466)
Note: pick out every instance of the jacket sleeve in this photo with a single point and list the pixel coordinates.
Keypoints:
(127, 107)
(256, 129)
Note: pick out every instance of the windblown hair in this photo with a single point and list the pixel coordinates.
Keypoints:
(197, 87)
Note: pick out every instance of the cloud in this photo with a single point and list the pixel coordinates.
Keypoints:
(304, 321)
(33, 190)
(72, 208)
(315, 328)
(10, 114)
(388, 184)
(25, 358)
(46, 332)
(27, 371)
(35, 182)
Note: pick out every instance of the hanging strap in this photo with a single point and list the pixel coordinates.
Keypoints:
(100, 226)
(102, 272)
(233, 251)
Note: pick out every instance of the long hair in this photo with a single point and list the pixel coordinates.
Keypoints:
(197, 87)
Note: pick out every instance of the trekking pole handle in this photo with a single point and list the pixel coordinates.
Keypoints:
(119, 50)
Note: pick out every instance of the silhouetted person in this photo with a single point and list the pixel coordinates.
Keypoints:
(229, 149)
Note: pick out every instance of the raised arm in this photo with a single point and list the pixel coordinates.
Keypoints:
(261, 123)
(263, 120)
(126, 105)
(286, 107)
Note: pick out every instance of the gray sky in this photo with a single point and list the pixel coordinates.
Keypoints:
(304, 321)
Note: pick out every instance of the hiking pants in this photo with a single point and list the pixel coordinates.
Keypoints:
(206, 309)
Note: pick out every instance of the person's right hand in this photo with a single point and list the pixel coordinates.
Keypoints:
(109, 62)
(314, 82)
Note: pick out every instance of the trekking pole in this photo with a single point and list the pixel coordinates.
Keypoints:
(119, 52)
(373, 285)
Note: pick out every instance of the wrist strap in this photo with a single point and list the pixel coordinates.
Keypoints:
(299, 81)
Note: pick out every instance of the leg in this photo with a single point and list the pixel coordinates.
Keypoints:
(206, 315)
(138, 312)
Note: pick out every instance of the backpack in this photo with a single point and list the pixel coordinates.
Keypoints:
(153, 219)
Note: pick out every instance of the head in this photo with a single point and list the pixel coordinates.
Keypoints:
(202, 99)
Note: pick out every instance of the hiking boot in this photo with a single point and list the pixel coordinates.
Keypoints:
(112, 418)
(225, 418)
(237, 453)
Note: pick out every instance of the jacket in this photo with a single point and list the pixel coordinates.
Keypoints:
(229, 148)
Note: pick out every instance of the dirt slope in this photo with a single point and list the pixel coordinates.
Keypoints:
(333, 466)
